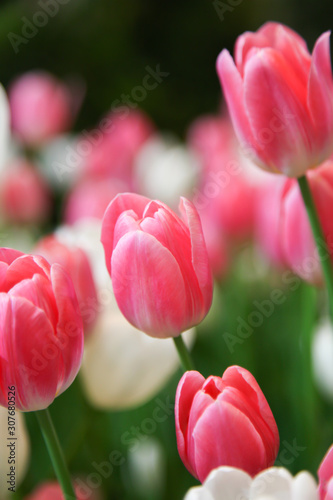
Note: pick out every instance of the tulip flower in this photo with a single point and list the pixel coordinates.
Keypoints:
(41, 332)
(325, 475)
(229, 483)
(283, 229)
(40, 107)
(322, 355)
(158, 264)
(76, 263)
(24, 196)
(51, 491)
(224, 421)
(280, 98)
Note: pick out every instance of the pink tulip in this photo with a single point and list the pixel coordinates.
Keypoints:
(76, 263)
(51, 490)
(283, 227)
(40, 107)
(325, 475)
(224, 421)
(114, 145)
(24, 196)
(90, 198)
(41, 333)
(158, 264)
(280, 98)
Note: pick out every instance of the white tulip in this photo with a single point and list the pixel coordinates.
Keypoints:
(166, 170)
(322, 355)
(22, 451)
(276, 483)
(147, 468)
(123, 367)
(4, 127)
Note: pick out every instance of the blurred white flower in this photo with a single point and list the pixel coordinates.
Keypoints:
(22, 451)
(166, 170)
(322, 355)
(147, 468)
(4, 127)
(123, 367)
(276, 483)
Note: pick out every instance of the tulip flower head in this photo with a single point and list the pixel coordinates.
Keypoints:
(275, 483)
(41, 332)
(158, 264)
(280, 98)
(224, 421)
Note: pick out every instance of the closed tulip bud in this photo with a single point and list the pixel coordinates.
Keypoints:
(158, 264)
(41, 332)
(280, 98)
(224, 421)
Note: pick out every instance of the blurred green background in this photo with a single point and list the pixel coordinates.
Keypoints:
(107, 45)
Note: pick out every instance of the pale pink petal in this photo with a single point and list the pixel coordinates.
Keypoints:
(275, 102)
(148, 286)
(69, 334)
(225, 436)
(121, 203)
(190, 383)
(320, 95)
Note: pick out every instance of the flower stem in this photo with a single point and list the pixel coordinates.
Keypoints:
(183, 353)
(55, 452)
(321, 244)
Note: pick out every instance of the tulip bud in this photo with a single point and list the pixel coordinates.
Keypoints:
(280, 98)
(158, 264)
(41, 330)
(224, 421)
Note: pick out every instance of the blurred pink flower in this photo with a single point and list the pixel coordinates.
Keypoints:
(41, 107)
(24, 195)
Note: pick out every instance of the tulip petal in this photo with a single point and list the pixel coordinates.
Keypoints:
(320, 95)
(69, 333)
(148, 286)
(241, 446)
(276, 105)
(234, 483)
(275, 482)
(242, 380)
(200, 259)
(232, 85)
(325, 472)
(25, 267)
(4, 126)
(119, 204)
(29, 368)
(190, 383)
(304, 487)
(8, 255)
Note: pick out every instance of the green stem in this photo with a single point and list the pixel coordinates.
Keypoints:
(183, 353)
(323, 251)
(307, 389)
(55, 452)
